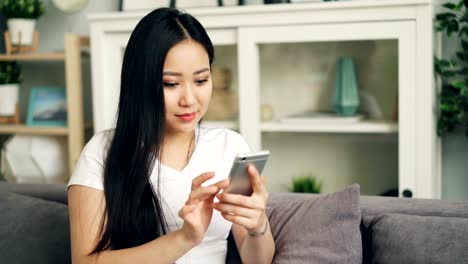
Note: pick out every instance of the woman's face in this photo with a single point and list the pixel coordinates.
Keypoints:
(187, 86)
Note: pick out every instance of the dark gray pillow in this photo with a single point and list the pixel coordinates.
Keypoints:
(317, 229)
(399, 238)
(33, 230)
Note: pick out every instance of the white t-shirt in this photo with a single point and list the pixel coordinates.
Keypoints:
(215, 150)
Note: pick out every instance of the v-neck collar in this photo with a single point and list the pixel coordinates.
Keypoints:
(195, 147)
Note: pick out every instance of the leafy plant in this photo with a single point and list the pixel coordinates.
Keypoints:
(306, 184)
(453, 100)
(10, 72)
(28, 9)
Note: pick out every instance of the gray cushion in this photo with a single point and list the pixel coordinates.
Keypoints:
(373, 206)
(399, 238)
(319, 229)
(33, 230)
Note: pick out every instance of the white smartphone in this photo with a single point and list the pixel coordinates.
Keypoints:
(238, 176)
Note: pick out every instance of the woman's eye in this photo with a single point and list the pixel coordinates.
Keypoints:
(201, 82)
(170, 85)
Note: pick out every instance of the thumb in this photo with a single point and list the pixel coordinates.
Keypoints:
(210, 199)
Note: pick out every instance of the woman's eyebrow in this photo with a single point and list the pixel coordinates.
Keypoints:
(180, 74)
(200, 71)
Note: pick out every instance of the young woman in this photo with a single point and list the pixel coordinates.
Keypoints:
(150, 190)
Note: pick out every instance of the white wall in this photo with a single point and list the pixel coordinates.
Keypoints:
(55, 23)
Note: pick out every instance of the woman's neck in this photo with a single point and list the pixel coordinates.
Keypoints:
(176, 140)
(178, 149)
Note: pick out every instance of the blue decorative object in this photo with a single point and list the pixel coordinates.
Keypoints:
(47, 107)
(346, 92)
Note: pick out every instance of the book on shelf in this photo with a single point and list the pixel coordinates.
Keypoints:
(314, 117)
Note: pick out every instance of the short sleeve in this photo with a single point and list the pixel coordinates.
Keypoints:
(238, 142)
(89, 168)
(243, 146)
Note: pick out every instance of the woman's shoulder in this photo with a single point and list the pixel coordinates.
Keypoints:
(99, 142)
(222, 137)
(218, 133)
(89, 168)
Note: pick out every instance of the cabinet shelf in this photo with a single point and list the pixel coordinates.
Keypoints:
(25, 130)
(380, 127)
(33, 57)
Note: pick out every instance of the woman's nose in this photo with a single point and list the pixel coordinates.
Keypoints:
(188, 96)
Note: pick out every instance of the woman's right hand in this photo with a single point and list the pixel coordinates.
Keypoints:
(198, 209)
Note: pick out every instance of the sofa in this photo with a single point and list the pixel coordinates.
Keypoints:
(343, 227)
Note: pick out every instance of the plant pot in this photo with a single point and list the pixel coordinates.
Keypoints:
(70, 5)
(24, 26)
(8, 99)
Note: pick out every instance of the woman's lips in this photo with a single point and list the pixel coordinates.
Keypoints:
(188, 117)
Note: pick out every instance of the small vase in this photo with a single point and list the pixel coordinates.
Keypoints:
(346, 92)
(24, 26)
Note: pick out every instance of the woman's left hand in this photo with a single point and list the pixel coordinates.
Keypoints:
(247, 211)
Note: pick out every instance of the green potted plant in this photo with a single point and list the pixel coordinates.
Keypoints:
(21, 18)
(453, 100)
(10, 79)
(306, 184)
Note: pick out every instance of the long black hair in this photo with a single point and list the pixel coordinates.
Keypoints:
(133, 214)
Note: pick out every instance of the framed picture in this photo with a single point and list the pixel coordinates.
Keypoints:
(47, 107)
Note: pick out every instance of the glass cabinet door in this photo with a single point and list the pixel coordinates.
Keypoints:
(290, 82)
(223, 110)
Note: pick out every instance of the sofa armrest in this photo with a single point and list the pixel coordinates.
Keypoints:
(50, 192)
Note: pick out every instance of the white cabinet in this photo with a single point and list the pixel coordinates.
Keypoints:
(283, 55)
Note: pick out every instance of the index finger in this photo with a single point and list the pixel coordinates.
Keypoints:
(197, 182)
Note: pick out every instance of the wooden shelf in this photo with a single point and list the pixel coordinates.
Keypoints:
(72, 58)
(33, 57)
(378, 127)
(25, 130)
